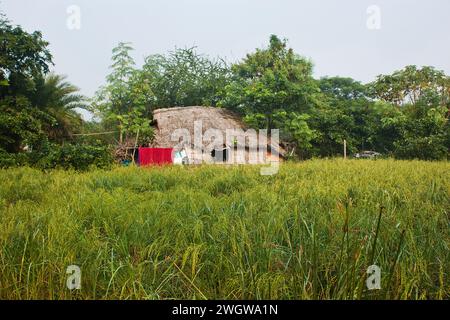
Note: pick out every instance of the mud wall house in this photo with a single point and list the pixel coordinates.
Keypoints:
(179, 127)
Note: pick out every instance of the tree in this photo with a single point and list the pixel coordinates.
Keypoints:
(333, 125)
(59, 99)
(343, 89)
(124, 99)
(23, 57)
(348, 115)
(274, 88)
(184, 78)
(422, 96)
(296, 131)
(272, 79)
(413, 85)
(425, 138)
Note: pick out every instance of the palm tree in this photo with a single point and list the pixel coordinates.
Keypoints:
(59, 99)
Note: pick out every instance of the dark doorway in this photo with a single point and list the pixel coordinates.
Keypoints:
(220, 155)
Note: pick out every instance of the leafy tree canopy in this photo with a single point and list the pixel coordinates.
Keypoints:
(23, 56)
(271, 79)
(185, 78)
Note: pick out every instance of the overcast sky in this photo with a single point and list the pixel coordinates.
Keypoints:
(333, 33)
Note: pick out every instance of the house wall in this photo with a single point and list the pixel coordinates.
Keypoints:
(236, 157)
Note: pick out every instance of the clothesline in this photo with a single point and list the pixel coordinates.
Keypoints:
(94, 134)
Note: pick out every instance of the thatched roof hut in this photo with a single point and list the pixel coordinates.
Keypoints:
(170, 121)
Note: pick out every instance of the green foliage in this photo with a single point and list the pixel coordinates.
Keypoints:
(348, 115)
(47, 155)
(20, 123)
(184, 78)
(413, 85)
(9, 160)
(273, 88)
(409, 119)
(423, 99)
(343, 89)
(59, 99)
(181, 78)
(272, 79)
(425, 137)
(34, 107)
(77, 156)
(124, 99)
(404, 114)
(386, 127)
(295, 129)
(334, 125)
(23, 56)
(137, 124)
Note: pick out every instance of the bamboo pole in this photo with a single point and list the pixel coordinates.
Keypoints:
(345, 149)
(135, 145)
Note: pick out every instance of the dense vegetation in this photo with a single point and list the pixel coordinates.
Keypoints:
(404, 114)
(227, 232)
(309, 232)
(38, 114)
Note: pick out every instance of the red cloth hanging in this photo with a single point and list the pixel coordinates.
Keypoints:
(149, 156)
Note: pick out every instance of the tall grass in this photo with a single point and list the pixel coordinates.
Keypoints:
(216, 232)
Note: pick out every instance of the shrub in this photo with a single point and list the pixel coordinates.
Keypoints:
(424, 148)
(12, 159)
(77, 156)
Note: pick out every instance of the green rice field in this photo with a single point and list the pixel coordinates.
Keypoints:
(217, 232)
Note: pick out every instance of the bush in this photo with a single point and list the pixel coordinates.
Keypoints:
(8, 160)
(423, 148)
(77, 156)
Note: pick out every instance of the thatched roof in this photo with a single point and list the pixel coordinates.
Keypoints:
(169, 119)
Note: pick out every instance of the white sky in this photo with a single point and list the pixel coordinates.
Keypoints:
(333, 33)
